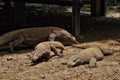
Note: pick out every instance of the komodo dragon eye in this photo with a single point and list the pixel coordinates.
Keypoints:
(71, 35)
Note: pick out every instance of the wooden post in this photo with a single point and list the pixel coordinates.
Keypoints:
(93, 8)
(103, 7)
(7, 11)
(76, 18)
(98, 7)
(19, 12)
(115, 2)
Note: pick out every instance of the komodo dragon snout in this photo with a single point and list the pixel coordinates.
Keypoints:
(73, 40)
(66, 38)
(74, 62)
(37, 55)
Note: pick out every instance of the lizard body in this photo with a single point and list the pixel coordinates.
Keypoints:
(33, 36)
(89, 55)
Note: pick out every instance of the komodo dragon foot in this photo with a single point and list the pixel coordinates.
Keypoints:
(16, 42)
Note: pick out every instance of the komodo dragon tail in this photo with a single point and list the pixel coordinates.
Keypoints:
(7, 37)
(105, 51)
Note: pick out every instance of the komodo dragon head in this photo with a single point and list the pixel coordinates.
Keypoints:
(39, 56)
(67, 38)
(75, 60)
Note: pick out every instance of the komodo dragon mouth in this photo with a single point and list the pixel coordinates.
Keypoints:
(38, 58)
(74, 62)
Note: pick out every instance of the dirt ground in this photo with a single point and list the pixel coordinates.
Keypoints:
(17, 66)
(97, 32)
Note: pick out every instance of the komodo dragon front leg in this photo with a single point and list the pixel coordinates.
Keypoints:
(92, 62)
(52, 37)
(16, 42)
(54, 49)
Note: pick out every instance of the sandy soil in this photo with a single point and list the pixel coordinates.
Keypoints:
(17, 66)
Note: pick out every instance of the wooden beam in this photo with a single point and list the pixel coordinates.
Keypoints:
(57, 2)
(7, 11)
(98, 7)
(76, 17)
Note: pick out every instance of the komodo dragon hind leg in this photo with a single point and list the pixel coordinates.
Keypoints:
(52, 37)
(92, 62)
(54, 49)
(15, 43)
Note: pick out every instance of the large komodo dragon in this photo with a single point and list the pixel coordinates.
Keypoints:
(43, 50)
(33, 36)
(89, 55)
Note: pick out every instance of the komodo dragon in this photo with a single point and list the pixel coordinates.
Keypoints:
(89, 55)
(43, 50)
(33, 36)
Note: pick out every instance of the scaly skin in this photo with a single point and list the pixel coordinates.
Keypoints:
(43, 50)
(89, 55)
(33, 36)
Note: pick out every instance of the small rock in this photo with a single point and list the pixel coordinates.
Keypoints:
(43, 76)
(64, 62)
(9, 58)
